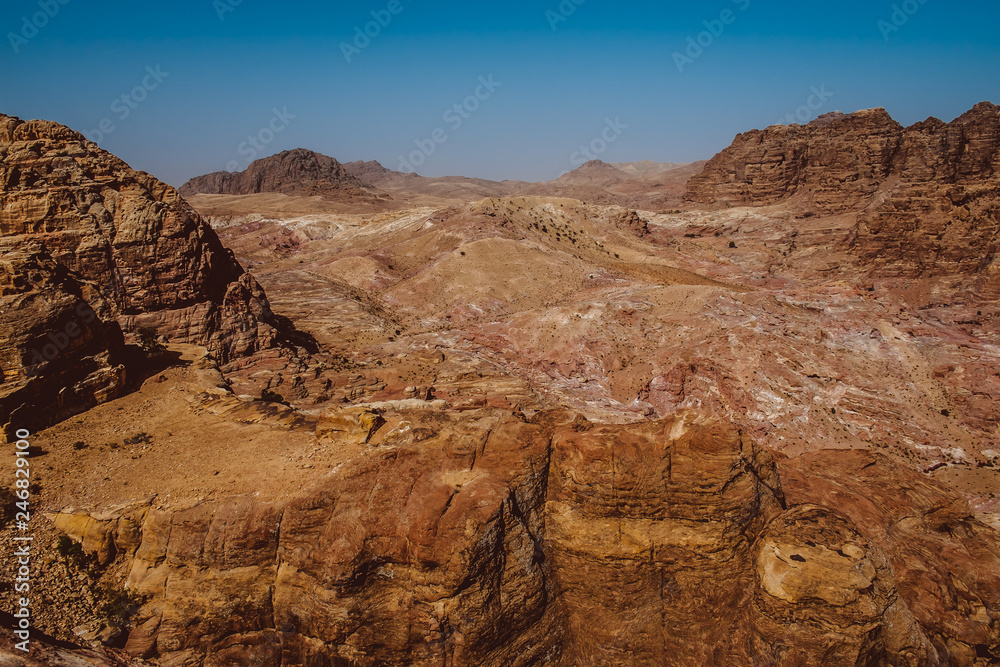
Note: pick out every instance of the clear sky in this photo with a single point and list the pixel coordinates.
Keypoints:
(183, 86)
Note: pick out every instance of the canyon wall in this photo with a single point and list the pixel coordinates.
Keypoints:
(477, 538)
(927, 196)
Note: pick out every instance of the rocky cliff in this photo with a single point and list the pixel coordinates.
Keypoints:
(91, 245)
(297, 171)
(56, 355)
(837, 163)
(372, 173)
(927, 196)
(479, 538)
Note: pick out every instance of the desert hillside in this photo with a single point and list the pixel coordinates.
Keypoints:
(732, 412)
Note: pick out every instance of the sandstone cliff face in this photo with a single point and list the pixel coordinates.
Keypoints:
(476, 538)
(928, 196)
(839, 164)
(124, 245)
(297, 171)
(57, 356)
(943, 215)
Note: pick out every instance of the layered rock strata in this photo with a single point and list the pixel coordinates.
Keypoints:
(477, 538)
(82, 230)
(927, 196)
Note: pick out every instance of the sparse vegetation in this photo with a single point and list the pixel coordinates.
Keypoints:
(149, 342)
(139, 439)
(118, 606)
(7, 506)
(74, 556)
(272, 397)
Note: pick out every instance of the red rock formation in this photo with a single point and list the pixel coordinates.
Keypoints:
(928, 196)
(838, 164)
(297, 171)
(56, 355)
(631, 222)
(81, 227)
(941, 215)
(372, 173)
(475, 538)
(142, 254)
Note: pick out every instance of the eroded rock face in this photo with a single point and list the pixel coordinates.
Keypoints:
(840, 164)
(95, 246)
(822, 592)
(297, 171)
(57, 356)
(943, 217)
(142, 255)
(928, 196)
(944, 564)
(649, 528)
(423, 549)
(477, 538)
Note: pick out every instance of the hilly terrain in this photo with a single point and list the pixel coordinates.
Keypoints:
(648, 184)
(737, 412)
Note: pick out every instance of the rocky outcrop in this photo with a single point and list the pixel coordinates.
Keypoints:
(928, 196)
(298, 171)
(838, 165)
(372, 174)
(632, 222)
(839, 162)
(91, 245)
(649, 530)
(477, 538)
(56, 355)
(934, 568)
(942, 216)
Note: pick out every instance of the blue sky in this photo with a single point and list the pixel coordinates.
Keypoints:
(227, 71)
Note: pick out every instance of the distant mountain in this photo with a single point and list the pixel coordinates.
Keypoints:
(927, 196)
(646, 184)
(298, 171)
(593, 173)
(373, 175)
